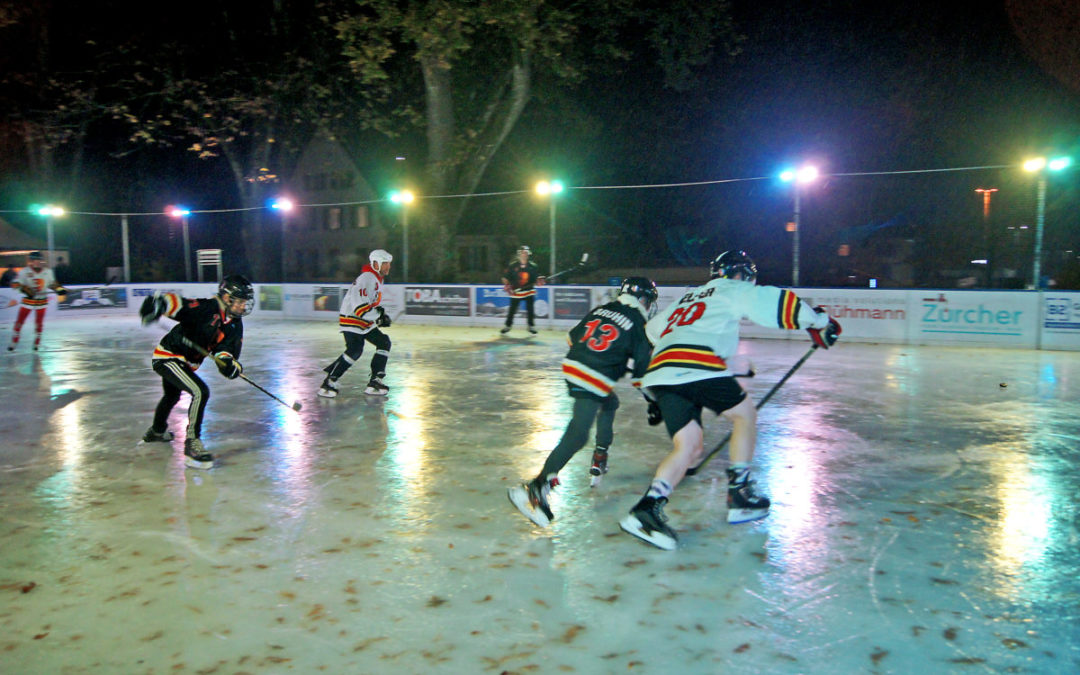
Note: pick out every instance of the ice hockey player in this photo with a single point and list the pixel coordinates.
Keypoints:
(601, 345)
(360, 320)
(520, 280)
(212, 325)
(34, 281)
(693, 341)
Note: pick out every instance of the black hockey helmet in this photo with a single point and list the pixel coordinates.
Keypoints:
(35, 255)
(237, 287)
(641, 288)
(730, 263)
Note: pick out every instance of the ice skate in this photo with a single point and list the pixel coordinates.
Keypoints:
(647, 521)
(375, 387)
(744, 505)
(532, 330)
(504, 330)
(328, 389)
(531, 500)
(152, 436)
(599, 466)
(196, 456)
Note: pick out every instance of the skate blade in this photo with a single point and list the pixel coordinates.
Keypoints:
(519, 497)
(631, 525)
(596, 480)
(376, 392)
(736, 516)
(328, 393)
(193, 463)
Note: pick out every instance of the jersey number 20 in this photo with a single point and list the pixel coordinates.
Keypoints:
(683, 316)
(603, 337)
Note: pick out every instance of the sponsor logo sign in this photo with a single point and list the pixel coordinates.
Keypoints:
(326, 298)
(438, 300)
(493, 301)
(94, 298)
(1062, 312)
(969, 314)
(572, 303)
(270, 298)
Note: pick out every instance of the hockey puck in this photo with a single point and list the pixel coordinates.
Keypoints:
(1003, 385)
(296, 405)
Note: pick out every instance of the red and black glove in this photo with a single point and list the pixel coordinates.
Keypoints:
(826, 334)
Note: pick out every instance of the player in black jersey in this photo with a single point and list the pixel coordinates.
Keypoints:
(601, 345)
(520, 280)
(207, 325)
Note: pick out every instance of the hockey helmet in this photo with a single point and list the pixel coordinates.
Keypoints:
(641, 288)
(35, 255)
(524, 249)
(380, 256)
(730, 263)
(237, 287)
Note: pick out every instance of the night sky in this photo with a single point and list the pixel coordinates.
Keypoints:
(900, 87)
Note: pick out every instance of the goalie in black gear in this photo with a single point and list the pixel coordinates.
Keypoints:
(211, 324)
(601, 347)
(359, 321)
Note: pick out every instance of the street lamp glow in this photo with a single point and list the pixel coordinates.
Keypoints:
(1035, 164)
(1059, 163)
(553, 187)
(804, 174)
(283, 204)
(50, 210)
(402, 197)
(178, 211)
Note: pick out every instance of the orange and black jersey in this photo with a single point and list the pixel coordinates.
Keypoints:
(603, 343)
(202, 321)
(522, 278)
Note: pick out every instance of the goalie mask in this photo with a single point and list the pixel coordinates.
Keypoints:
(238, 295)
(730, 263)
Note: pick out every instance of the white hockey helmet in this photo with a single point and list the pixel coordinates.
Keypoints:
(380, 256)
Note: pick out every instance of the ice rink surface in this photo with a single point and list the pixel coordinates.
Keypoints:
(924, 516)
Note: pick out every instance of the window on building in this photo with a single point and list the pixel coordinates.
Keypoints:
(473, 258)
(362, 217)
(334, 219)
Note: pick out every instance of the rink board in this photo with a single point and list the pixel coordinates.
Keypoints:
(1011, 319)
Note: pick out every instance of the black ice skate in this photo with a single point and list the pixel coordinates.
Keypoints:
(504, 330)
(375, 387)
(152, 436)
(532, 330)
(531, 500)
(648, 522)
(328, 389)
(196, 456)
(599, 466)
(743, 503)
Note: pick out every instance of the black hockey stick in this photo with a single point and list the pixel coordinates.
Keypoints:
(295, 406)
(720, 446)
(580, 264)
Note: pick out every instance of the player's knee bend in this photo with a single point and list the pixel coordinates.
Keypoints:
(744, 412)
(381, 341)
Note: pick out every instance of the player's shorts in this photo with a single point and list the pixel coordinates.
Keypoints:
(682, 403)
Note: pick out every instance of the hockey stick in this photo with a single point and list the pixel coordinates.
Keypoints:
(580, 264)
(295, 406)
(720, 446)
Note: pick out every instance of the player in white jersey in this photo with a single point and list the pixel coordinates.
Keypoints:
(359, 321)
(693, 341)
(34, 281)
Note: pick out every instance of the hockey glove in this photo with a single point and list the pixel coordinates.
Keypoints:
(228, 366)
(826, 335)
(153, 307)
(655, 416)
(61, 293)
(383, 321)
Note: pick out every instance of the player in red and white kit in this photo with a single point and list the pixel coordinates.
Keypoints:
(34, 281)
(360, 318)
(694, 340)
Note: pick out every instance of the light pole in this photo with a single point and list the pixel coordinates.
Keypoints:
(404, 198)
(283, 205)
(182, 213)
(801, 176)
(1039, 166)
(986, 192)
(49, 212)
(549, 189)
(127, 250)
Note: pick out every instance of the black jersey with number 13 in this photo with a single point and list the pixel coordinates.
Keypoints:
(603, 343)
